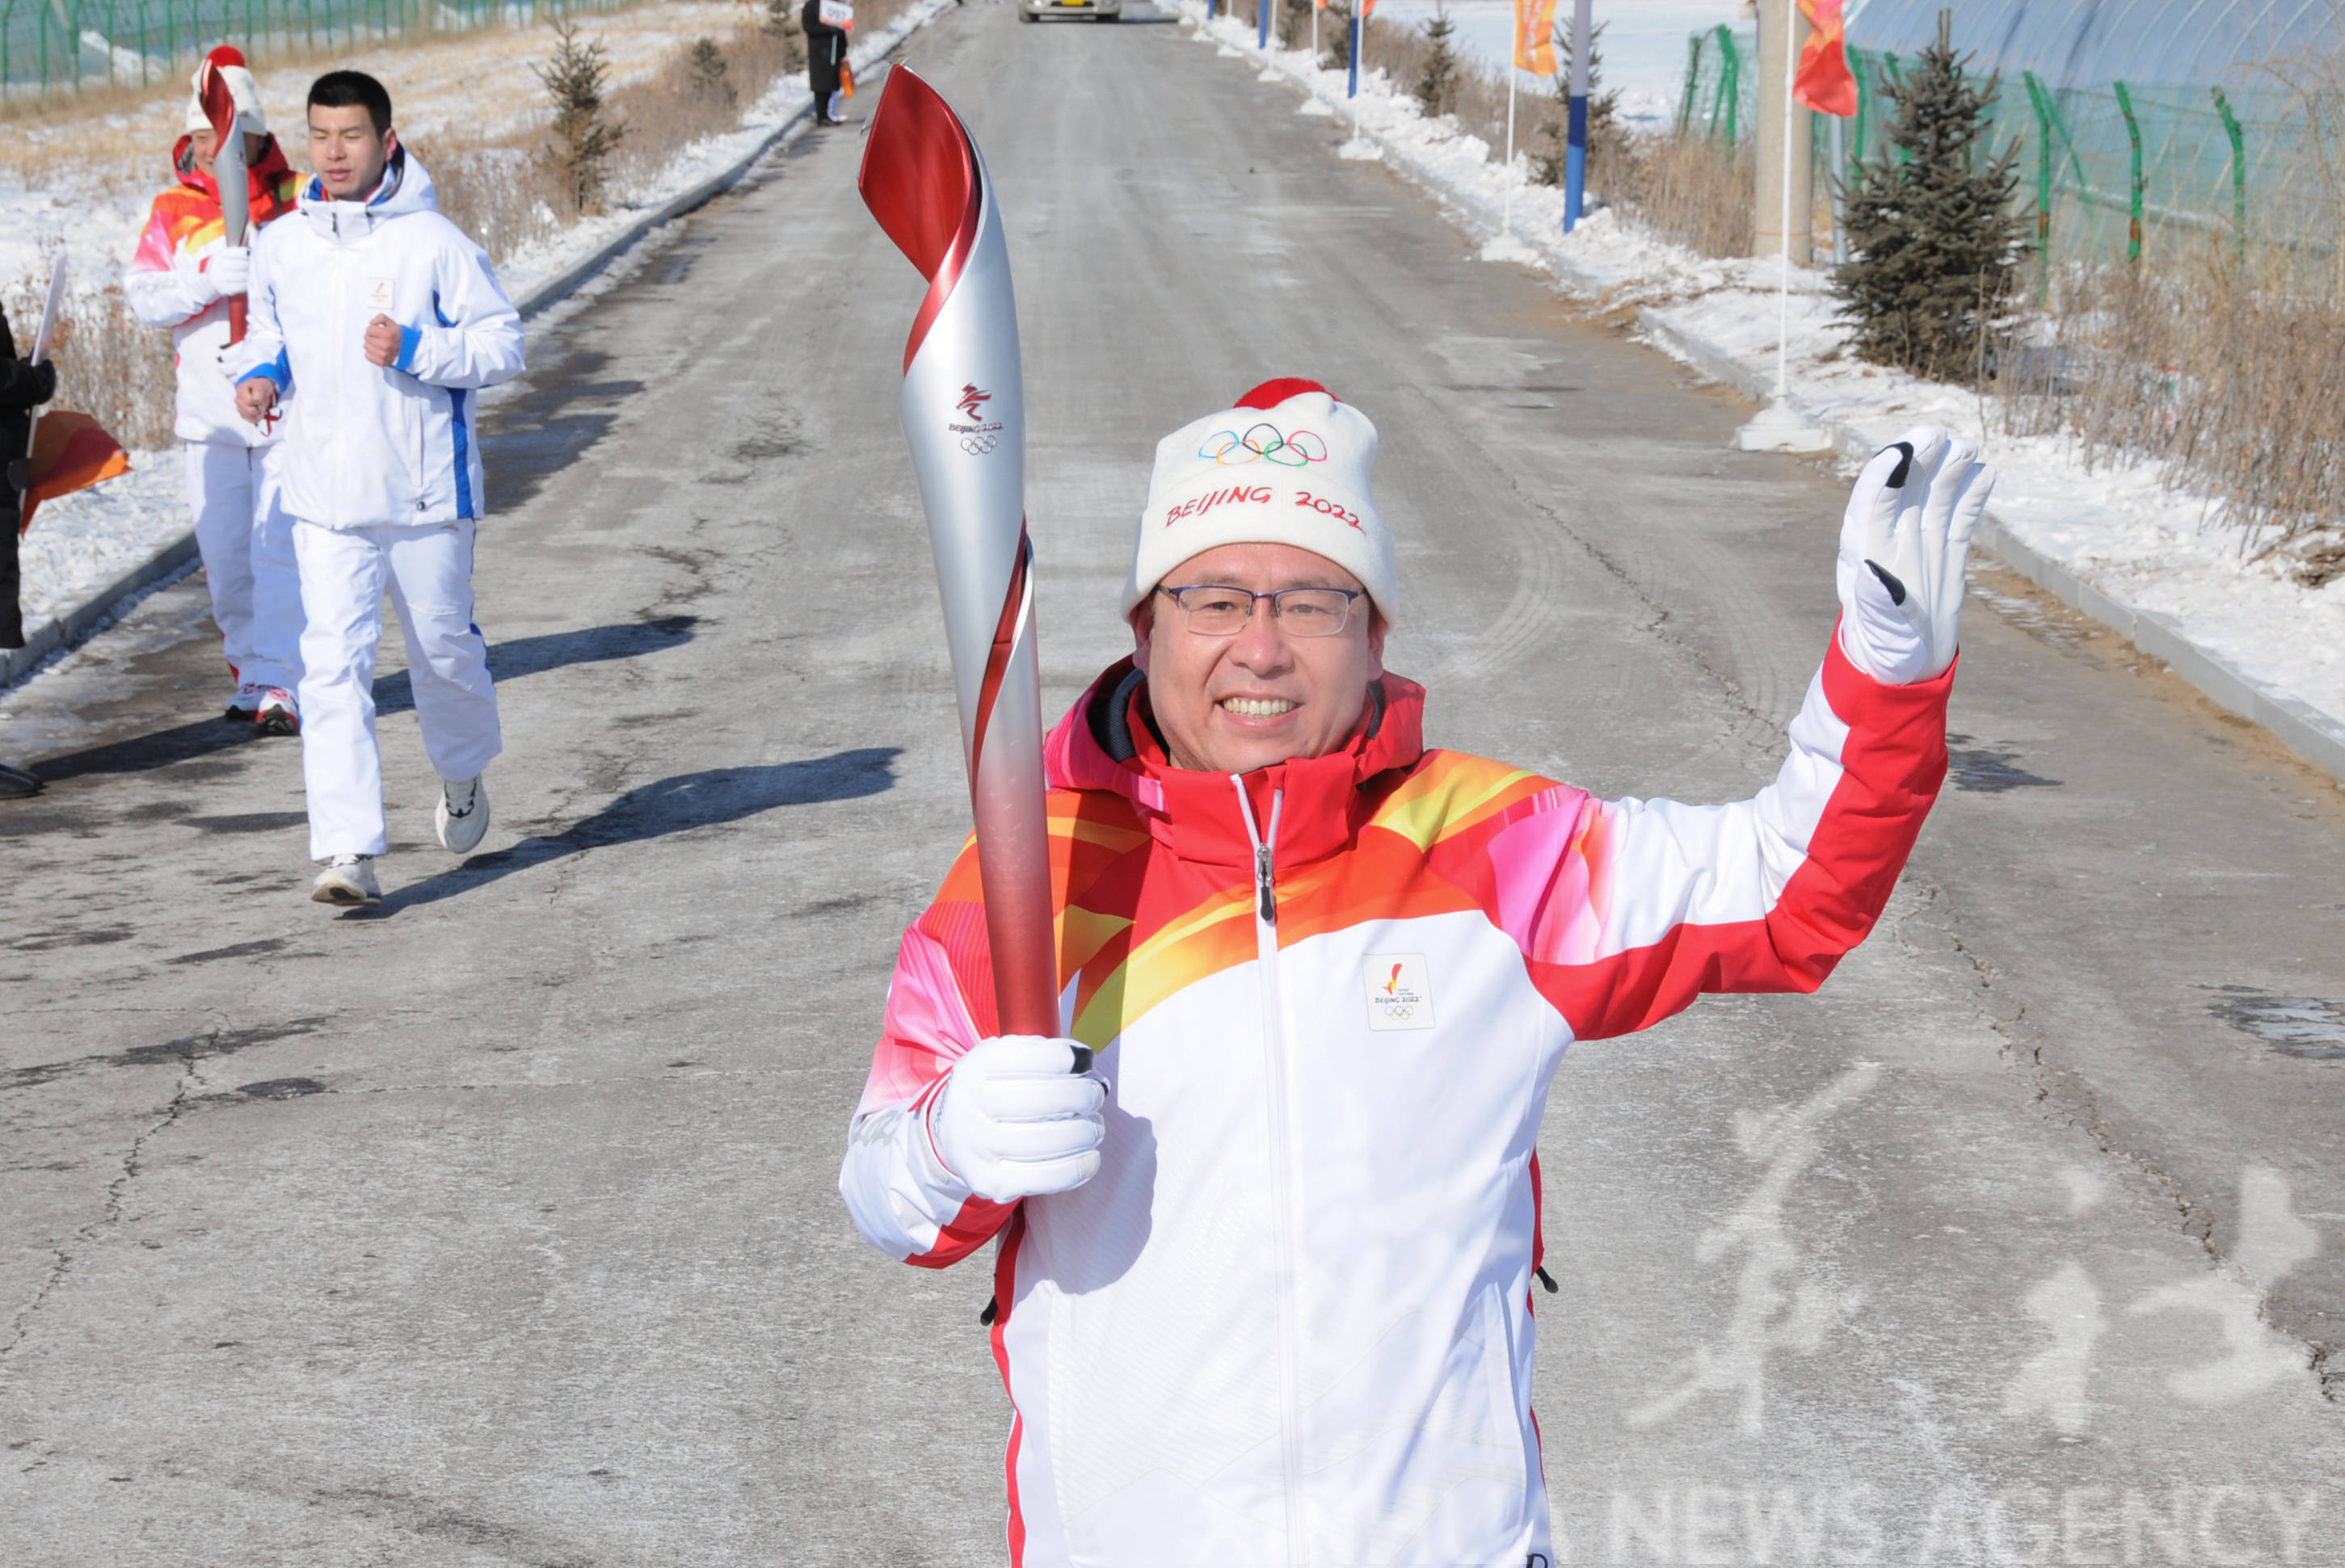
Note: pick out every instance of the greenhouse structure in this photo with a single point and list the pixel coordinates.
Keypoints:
(2165, 129)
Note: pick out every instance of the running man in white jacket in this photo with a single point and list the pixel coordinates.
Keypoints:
(182, 277)
(380, 319)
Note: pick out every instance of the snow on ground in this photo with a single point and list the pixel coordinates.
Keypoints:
(82, 183)
(81, 544)
(2115, 527)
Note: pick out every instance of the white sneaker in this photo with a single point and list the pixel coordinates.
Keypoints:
(347, 879)
(246, 703)
(463, 817)
(278, 713)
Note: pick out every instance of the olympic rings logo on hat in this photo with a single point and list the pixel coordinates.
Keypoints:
(1263, 442)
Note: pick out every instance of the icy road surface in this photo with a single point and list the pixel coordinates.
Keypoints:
(498, 1226)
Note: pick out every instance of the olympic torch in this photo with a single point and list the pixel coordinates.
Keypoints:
(229, 176)
(964, 415)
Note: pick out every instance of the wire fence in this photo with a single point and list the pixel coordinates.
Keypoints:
(49, 47)
(2118, 172)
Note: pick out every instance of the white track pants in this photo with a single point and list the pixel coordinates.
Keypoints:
(246, 538)
(429, 575)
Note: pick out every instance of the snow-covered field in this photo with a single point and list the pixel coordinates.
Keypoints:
(2118, 529)
(80, 545)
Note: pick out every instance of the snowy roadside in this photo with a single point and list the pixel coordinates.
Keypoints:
(88, 551)
(2159, 567)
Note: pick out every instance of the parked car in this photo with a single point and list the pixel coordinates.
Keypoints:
(1097, 10)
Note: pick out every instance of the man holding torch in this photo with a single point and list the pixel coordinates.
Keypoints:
(1265, 1178)
(189, 275)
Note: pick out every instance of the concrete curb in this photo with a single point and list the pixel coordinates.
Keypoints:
(2316, 736)
(179, 556)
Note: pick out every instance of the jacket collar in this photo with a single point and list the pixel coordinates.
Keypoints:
(404, 189)
(262, 176)
(1108, 741)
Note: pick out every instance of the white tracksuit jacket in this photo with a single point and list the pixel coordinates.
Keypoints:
(1289, 1321)
(165, 286)
(365, 446)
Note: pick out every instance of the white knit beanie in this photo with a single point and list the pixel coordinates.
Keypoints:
(1288, 465)
(245, 93)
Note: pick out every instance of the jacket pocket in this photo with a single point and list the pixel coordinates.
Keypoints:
(414, 442)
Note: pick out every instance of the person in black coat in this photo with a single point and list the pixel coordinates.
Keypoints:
(825, 52)
(22, 389)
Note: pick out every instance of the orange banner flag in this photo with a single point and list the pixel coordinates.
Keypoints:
(71, 452)
(1534, 37)
(1823, 83)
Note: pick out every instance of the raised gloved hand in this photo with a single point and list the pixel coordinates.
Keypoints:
(1903, 544)
(1020, 1117)
(228, 270)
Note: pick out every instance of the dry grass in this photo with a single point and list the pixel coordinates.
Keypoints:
(110, 365)
(2228, 368)
(2236, 380)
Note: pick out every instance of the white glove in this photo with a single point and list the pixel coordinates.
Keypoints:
(1903, 544)
(228, 271)
(1020, 1117)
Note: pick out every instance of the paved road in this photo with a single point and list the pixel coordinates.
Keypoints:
(498, 1226)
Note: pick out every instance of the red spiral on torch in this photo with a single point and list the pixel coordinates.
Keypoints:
(929, 197)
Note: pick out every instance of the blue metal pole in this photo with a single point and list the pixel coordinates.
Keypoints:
(1575, 158)
(1352, 85)
(1261, 24)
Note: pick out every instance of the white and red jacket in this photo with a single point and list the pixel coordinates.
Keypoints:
(1289, 1321)
(166, 286)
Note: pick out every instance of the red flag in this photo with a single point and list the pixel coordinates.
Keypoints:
(70, 452)
(1823, 83)
(1534, 37)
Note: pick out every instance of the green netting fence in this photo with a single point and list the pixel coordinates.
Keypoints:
(2121, 171)
(50, 46)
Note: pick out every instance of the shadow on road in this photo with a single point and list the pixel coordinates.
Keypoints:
(705, 799)
(533, 655)
(507, 661)
(561, 412)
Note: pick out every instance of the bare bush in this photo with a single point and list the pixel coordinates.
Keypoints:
(2234, 379)
(110, 365)
(1690, 188)
(508, 196)
(2224, 362)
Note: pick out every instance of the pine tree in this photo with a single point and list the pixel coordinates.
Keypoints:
(1938, 246)
(583, 140)
(1436, 81)
(709, 79)
(1551, 148)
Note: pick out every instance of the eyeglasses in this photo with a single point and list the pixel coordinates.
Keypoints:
(1212, 610)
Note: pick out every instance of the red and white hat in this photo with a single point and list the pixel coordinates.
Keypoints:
(1288, 465)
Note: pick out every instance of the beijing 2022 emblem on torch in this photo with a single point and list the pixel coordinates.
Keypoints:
(964, 415)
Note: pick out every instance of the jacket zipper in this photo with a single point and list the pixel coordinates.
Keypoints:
(1282, 1237)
